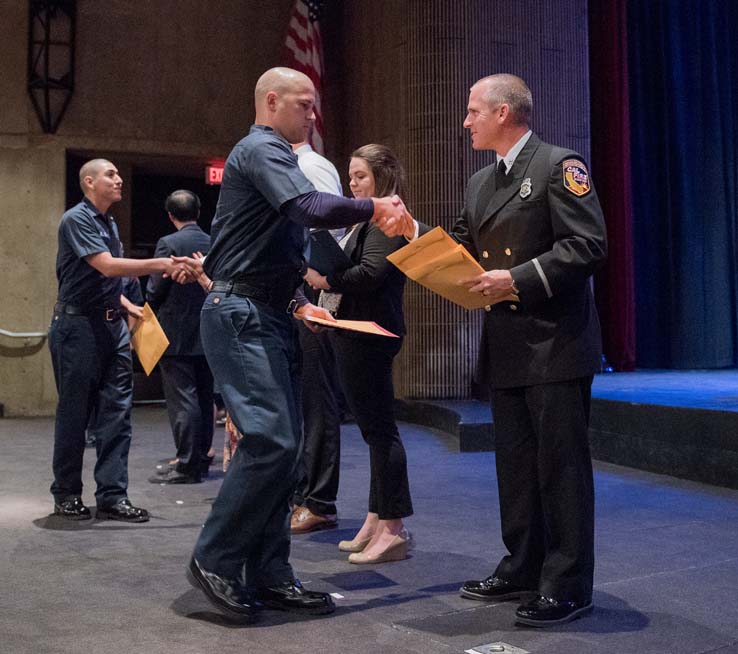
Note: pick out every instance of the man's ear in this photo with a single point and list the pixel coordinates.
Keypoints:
(271, 100)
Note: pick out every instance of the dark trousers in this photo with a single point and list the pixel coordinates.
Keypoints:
(188, 390)
(320, 462)
(93, 373)
(544, 473)
(253, 353)
(365, 373)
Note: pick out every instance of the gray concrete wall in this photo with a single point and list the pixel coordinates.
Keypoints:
(168, 77)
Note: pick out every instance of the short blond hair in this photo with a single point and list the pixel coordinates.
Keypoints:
(511, 90)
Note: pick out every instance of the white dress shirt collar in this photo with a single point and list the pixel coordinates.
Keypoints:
(514, 151)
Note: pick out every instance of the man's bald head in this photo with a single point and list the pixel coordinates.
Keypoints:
(510, 90)
(285, 101)
(91, 169)
(281, 80)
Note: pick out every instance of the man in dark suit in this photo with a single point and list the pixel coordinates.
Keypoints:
(188, 382)
(534, 223)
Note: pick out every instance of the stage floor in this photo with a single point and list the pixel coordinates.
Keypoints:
(666, 574)
(697, 389)
(679, 423)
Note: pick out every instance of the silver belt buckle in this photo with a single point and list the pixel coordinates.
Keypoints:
(109, 314)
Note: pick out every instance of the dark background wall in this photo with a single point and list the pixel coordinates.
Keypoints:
(399, 73)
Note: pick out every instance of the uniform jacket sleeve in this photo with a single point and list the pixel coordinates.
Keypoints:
(579, 242)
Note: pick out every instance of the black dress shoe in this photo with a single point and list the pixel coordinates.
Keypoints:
(545, 611)
(291, 596)
(72, 509)
(224, 594)
(123, 511)
(492, 589)
(175, 477)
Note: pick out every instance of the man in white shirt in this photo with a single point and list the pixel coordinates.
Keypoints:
(318, 472)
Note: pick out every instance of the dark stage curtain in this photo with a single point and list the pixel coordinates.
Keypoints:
(611, 173)
(684, 119)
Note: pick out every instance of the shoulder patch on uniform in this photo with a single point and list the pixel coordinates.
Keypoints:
(576, 177)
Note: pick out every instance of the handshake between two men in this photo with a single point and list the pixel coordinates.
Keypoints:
(393, 219)
(495, 285)
(390, 215)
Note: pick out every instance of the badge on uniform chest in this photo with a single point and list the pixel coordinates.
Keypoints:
(525, 188)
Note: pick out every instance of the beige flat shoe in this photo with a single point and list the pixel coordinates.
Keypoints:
(353, 545)
(396, 551)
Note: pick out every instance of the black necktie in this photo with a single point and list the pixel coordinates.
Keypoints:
(501, 178)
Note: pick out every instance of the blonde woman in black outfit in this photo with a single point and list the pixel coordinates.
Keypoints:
(371, 289)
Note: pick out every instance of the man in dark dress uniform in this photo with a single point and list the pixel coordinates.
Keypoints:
(90, 350)
(186, 376)
(534, 223)
(266, 204)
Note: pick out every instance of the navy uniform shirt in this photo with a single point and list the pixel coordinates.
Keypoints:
(250, 238)
(84, 231)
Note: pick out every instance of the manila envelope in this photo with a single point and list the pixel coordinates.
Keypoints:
(423, 249)
(438, 262)
(149, 340)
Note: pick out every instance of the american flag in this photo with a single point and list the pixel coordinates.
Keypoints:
(303, 51)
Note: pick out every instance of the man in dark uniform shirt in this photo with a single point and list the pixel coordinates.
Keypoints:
(535, 225)
(186, 376)
(90, 350)
(256, 263)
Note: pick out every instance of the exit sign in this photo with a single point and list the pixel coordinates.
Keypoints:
(213, 175)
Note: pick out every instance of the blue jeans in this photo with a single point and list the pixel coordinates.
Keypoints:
(93, 373)
(252, 351)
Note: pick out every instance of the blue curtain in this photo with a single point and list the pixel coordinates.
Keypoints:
(683, 59)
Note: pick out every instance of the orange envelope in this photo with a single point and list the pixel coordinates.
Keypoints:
(364, 326)
(438, 262)
(149, 340)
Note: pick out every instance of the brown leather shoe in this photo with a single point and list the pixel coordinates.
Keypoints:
(304, 521)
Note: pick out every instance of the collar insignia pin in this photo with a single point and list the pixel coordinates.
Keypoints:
(525, 188)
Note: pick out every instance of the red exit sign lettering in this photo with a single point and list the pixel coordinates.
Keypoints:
(213, 175)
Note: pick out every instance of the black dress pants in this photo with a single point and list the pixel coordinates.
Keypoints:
(188, 390)
(544, 474)
(319, 466)
(94, 374)
(365, 373)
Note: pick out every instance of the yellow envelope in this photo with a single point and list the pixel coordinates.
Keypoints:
(438, 262)
(423, 249)
(149, 340)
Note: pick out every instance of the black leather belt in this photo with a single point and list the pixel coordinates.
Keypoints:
(105, 313)
(277, 297)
